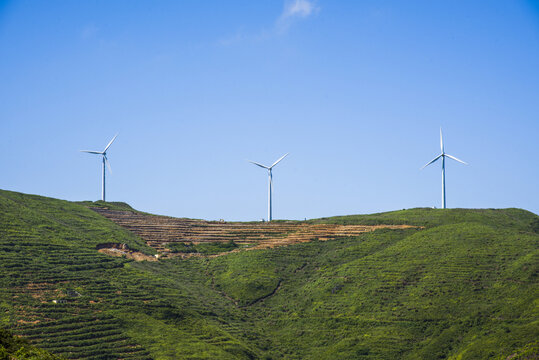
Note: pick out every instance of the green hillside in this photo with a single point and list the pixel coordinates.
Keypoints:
(462, 287)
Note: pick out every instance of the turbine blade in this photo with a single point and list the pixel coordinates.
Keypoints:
(110, 143)
(92, 152)
(454, 158)
(262, 166)
(282, 157)
(430, 162)
(441, 141)
(108, 163)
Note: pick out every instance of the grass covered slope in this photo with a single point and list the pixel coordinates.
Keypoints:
(464, 287)
(58, 222)
(413, 295)
(515, 219)
(57, 291)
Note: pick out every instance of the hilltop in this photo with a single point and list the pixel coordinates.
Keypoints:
(458, 284)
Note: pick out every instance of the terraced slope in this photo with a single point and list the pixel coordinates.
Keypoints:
(59, 292)
(463, 287)
(159, 231)
(53, 278)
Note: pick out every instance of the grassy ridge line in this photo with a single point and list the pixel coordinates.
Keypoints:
(58, 222)
(112, 205)
(118, 206)
(517, 219)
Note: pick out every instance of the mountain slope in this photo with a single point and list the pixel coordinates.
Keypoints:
(463, 287)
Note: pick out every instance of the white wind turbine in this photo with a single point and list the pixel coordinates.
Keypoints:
(443, 155)
(105, 160)
(270, 181)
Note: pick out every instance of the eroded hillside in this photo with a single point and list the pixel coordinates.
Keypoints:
(162, 232)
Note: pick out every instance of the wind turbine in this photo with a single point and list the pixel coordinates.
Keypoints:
(443, 155)
(270, 181)
(105, 160)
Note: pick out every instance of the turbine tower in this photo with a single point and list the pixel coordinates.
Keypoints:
(443, 155)
(270, 181)
(105, 160)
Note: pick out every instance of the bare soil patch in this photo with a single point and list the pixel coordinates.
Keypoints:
(159, 231)
(122, 250)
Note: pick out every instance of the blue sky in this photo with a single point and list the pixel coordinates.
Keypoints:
(355, 91)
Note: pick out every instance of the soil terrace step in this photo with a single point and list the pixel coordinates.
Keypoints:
(158, 231)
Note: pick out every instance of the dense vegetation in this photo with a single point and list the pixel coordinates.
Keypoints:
(462, 287)
(12, 347)
(202, 248)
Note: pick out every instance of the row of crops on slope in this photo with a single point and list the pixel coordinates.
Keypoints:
(59, 298)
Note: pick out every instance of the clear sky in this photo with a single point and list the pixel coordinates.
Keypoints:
(355, 91)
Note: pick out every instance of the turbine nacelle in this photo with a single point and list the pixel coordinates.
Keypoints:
(269, 167)
(442, 154)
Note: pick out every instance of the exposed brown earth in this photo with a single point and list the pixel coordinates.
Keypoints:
(158, 231)
(120, 250)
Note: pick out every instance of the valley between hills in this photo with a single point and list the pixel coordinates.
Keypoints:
(410, 284)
